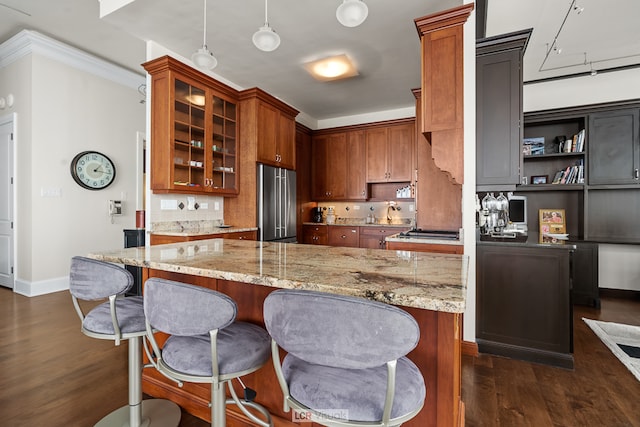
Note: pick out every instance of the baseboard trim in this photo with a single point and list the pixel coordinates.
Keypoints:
(619, 293)
(32, 289)
(470, 348)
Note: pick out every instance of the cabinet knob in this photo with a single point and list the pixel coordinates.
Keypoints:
(635, 174)
(363, 192)
(343, 236)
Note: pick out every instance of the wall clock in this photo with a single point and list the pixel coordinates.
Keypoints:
(92, 170)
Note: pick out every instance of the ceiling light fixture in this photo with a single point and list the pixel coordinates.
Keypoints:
(352, 13)
(203, 58)
(578, 8)
(332, 68)
(593, 72)
(554, 45)
(266, 39)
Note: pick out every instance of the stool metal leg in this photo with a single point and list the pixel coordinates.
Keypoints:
(218, 404)
(141, 413)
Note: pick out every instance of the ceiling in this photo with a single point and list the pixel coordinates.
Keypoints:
(385, 47)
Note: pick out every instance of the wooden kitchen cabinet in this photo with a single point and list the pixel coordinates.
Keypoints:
(356, 178)
(499, 109)
(342, 235)
(389, 153)
(161, 239)
(329, 167)
(374, 237)
(442, 110)
(437, 248)
(193, 129)
(315, 234)
(276, 136)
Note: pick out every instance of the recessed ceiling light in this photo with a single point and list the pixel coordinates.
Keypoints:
(332, 68)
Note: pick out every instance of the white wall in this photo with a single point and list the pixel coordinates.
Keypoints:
(619, 265)
(63, 108)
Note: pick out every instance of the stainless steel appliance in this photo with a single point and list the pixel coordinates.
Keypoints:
(276, 204)
(316, 214)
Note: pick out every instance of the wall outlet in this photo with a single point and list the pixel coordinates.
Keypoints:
(50, 192)
(216, 206)
(168, 205)
(204, 205)
(356, 207)
(411, 208)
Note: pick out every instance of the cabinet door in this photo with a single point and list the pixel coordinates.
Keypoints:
(376, 154)
(613, 147)
(336, 172)
(268, 120)
(356, 166)
(442, 80)
(498, 111)
(286, 144)
(319, 189)
(400, 151)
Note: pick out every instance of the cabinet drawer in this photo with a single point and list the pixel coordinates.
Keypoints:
(314, 234)
(344, 236)
(241, 235)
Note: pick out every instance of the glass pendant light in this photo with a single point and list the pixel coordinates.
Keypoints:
(203, 58)
(352, 13)
(266, 39)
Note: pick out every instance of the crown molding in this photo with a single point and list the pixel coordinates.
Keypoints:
(32, 42)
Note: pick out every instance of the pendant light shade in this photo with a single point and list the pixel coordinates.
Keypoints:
(352, 13)
(266, 39)
(202, 57)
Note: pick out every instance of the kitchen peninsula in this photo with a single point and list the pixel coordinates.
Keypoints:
(432, 287)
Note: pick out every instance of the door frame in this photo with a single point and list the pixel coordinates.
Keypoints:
(12, 120)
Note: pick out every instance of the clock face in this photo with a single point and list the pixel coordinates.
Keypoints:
(92, 170)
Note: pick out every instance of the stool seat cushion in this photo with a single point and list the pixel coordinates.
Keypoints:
(359, 392)
(241, 346)
(129, 312)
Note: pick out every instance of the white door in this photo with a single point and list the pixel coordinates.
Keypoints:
(6, 203)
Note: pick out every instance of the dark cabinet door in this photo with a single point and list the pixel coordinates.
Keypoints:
(498, 116)
(613, 147)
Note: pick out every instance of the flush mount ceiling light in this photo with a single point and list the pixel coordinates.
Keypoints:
(203, 58)
(266, 39)
(352, 13)
(332, 68)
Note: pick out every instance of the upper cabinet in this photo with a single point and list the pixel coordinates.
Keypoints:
(389, 153)
(356, 177)
(499, 109)
(442, 111)
(614, 145)
(276, 130)
(329, 166)
(194, 137)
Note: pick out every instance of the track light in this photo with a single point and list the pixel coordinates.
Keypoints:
(578, 8)
(352, 13)
(593, 72)
(266, 39)
(203, 58)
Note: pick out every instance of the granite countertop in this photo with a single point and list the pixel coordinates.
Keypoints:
(195, 228)
(532, 240)
(361, 222)
(415, 279)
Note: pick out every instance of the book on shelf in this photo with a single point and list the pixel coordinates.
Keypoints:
(574, 144)
(570, 175)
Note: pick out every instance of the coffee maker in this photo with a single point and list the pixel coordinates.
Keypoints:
(316, 215)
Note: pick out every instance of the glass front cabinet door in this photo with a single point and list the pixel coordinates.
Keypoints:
(193, 131)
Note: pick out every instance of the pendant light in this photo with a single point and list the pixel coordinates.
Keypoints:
(203, 58)
(266, 39)
(352, 13)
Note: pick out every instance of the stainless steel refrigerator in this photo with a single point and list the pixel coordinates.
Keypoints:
(276, 204)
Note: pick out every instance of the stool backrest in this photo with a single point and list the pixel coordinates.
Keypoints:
(91, 279)
(340, 331)
(181, 309)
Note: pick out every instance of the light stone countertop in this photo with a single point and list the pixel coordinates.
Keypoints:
(203, 231)
(414, 279)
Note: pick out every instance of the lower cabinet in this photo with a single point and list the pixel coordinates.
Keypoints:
(314, 234)
(340, 235)
(426, 247)
(523, 306)
(374, 237)
(586, 290)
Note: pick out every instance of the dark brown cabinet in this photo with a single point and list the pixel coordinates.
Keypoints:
(524, 303)
(614, 147)
(374, 237)
(356, 179)
(276, 137)
(499, 109)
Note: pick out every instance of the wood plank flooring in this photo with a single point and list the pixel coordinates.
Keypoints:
(53, 375)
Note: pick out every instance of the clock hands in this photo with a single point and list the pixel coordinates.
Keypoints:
(99, 168)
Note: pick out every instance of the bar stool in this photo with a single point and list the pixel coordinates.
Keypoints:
(118, 319)
(205, 344)
(346, 363)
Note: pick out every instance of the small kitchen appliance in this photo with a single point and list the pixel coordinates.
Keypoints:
(316, 215)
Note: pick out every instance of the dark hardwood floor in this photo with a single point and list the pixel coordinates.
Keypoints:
(599, 391)
(53, 375)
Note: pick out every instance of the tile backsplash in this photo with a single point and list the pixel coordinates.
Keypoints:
(206, 208)
(404, 211)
